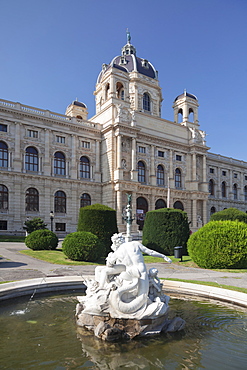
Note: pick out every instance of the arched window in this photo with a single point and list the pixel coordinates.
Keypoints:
(85, 200)
(178, 205)
(191, 115)
(31, 159)
(4, 197)
(120, 90)
(107, 90)
(3, 154)
(160, 203)
(32, 200)
(235, 191)
(60, 202)
(141, 171)
(160, 175)
(180, 115)
(178, 178)
(212, 210)
(59, 164)
(146, 102)
(141, 210)
(245, 193)
(223, 189)
(84, 168)
(211, 187)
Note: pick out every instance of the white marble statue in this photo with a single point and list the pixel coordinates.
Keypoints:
(121, 288)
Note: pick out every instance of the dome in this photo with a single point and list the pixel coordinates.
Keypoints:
(79, 104)
(181, 96)
(129, 62)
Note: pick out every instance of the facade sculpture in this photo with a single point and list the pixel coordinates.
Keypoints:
(124, 289)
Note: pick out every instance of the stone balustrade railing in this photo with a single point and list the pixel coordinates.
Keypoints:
(44, 113)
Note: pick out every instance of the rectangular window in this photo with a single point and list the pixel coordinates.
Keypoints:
(3, 127)
(235, 175)
(245, 177)
(60, 139)
(141, 149)
(161, 154)
(85, 144)
(211, 170)
(60, 226)
(178, 157)
(3, 225)
(32, 133)
(223, 173)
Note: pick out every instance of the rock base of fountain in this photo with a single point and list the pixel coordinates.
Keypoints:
(114, 329)
(124, 300)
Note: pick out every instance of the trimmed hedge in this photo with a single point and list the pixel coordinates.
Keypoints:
(82, 246)
(219, 245)
(101, 221)
(229, 214)
(165, 229)
(41, 240)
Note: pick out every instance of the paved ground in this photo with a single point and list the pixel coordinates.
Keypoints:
(16, 266)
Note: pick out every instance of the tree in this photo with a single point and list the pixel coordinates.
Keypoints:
(35, 224)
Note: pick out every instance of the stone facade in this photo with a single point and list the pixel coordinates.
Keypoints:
(54, 162)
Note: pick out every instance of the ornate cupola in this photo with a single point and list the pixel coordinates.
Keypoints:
(129, 81)
(77, 109)
(186, 109)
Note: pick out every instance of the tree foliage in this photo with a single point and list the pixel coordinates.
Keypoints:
(101, 221)
(219, 245)
(82, 246)
(165, 229)
(43, 239)
(229, 214)
(35, 224)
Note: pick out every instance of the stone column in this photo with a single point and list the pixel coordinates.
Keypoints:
(119, 151)
(17, 160)
(73, 158)
(171, 174)
(133, 160)
(119, 207)
(205, 212)
(194, 213)
(194, 167)
(204, 168)
(152, 169)
(48, 162)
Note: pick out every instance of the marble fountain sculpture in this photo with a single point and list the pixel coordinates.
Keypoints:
(124, 300)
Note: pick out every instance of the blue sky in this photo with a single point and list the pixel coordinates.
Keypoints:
(51, 52)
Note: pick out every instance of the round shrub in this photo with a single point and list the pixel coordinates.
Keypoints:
(219, 245)
(165, 229)
(232, 214)
(82, 246)
(99, 220)
(41, 239)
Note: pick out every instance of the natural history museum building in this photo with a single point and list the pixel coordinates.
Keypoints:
(59, 163)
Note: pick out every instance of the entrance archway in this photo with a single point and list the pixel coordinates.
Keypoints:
(141, 210)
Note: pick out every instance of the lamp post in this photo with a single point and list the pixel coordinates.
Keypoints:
(51, 218)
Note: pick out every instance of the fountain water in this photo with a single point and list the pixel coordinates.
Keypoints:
(46, 337)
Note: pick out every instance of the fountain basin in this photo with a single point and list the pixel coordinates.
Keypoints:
(62, 283)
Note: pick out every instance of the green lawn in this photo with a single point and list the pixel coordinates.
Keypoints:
(56, 256)
(208, 283)
(12, 238)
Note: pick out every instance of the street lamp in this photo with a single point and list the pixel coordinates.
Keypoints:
(51, 218)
